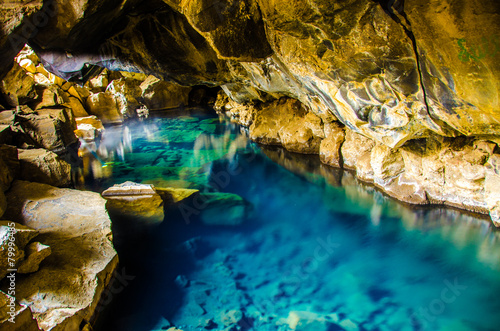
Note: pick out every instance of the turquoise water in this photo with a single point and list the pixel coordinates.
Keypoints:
(318, 250)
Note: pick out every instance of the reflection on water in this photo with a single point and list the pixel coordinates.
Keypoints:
(318, 242)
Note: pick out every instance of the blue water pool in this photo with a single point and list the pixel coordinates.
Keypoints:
(318, 250)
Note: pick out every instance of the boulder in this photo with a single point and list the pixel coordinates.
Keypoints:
(66, 289)
(42, 166)
(104, 106)
(88, 128)
(52, 129)
(223, 209)
(133, 202)
(159, 95)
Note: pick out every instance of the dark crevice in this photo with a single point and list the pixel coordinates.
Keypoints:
(389, 6)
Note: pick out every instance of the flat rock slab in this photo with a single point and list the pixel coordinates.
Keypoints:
(75, 224)
(134, 203)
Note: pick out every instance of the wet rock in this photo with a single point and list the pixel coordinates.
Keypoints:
(135, 202)
(104, 106)
(77, 228)
(21, 318)
(35, 253)
(158, 94)
(223, 209)
(127, 93)
(43, 166)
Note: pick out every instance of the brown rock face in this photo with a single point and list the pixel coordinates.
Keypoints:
(43, 166)
(66, 289)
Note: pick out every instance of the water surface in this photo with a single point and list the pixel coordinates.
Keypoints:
(319, 251)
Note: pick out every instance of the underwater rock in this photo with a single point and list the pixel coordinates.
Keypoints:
(66, 289)
(42, 166)
(172, 195)
(135, 203)
(223, 209)
(22, 316)
(310, 321)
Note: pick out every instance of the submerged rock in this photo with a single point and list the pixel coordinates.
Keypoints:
(133, 202)
(65, 291)
(223, 209)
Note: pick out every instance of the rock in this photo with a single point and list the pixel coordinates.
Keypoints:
(43, 166)
(288, 123)
(356, 154)
(172, 195)
(9, 166)
(329, 150)
(14, 236)
(492, 188)
(35, 253)
(309, 321)
(104, 106)
(77, 228)
(21, 318)
(223, 209)
(17, 87)
(158, 95)
(231, 317)
(76, 106)
(5, 134)
(127, 93)
(134, 202)
(88, 128)
(52, 129)
(99, 83)
(349, 325)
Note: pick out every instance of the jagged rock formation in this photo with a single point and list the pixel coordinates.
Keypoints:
(405, 92)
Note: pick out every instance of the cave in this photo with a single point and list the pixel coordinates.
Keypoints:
(249, 165)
